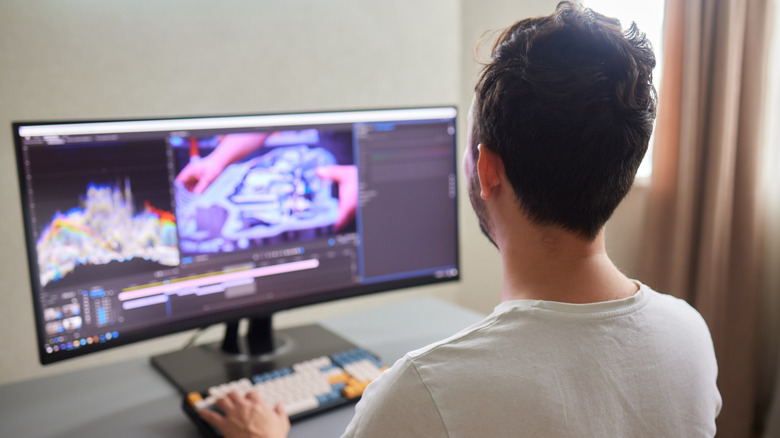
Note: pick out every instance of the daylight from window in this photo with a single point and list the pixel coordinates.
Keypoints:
(649, 17)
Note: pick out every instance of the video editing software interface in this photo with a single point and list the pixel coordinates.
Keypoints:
(134, 227)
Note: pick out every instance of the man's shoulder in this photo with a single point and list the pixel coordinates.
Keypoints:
(463, 339)
(530, 330)
(675, 312)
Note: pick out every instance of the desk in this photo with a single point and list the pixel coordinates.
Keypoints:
(131, 399)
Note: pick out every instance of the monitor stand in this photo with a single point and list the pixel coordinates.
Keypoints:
(262, 350)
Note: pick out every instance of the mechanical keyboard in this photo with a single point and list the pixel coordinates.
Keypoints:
(305, 388)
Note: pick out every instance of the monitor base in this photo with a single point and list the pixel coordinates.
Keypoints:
(203, 366)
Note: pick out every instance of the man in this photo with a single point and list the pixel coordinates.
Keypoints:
(560, 121)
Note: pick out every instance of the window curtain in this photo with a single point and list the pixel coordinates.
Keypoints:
(769, 348)
(702, 232)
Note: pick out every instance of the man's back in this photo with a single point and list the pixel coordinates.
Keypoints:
(641, 366)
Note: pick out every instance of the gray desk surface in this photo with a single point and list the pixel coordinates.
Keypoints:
(130, 399)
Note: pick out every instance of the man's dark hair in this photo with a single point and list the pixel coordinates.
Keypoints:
(568, 104)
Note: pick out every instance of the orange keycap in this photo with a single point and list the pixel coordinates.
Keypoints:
(193, 398)
(338, 378)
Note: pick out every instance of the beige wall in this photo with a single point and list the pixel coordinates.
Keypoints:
(68, 59)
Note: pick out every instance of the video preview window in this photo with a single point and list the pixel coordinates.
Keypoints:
(245, 190)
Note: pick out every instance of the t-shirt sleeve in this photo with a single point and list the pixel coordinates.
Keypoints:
(397, 404)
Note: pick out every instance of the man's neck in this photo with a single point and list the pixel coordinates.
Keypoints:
(556, 265)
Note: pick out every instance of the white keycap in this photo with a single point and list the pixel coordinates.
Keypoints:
(299, 406)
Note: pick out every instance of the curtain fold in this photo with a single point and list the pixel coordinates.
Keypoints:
(769, 390)
(702, 241)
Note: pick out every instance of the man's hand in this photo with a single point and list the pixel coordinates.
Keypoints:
(247, 416)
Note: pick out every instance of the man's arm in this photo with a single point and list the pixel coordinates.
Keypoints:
(397, 404)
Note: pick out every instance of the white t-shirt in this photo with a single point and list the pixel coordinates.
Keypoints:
(643, 366)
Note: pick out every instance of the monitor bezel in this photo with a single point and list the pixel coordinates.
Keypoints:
(225, 316)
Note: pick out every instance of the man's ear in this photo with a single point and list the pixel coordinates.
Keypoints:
(490, 170)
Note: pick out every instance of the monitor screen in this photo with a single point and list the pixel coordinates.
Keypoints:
(141, 228)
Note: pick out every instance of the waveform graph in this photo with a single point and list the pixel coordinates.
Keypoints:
(105, 228)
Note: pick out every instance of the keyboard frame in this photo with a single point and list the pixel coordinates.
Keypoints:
(209, 431)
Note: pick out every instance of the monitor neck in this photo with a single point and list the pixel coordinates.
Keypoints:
(258, 341)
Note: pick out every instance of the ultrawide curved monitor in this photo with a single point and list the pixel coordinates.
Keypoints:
(141, 228)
